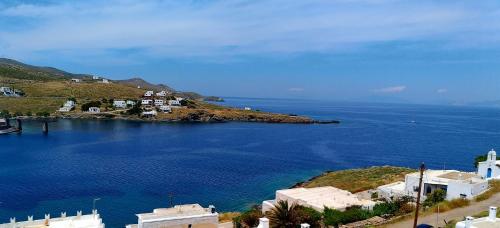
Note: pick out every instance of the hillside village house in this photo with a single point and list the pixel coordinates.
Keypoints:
(147, 102)
(105, 81)
(68, 106)
(174, 103)
(318, 198)
(148, 93)
(161, 93)
(456, 184)
(180, 216)
(79, 221)
(94, 110)
(131, 103)
(165, 108)
(489, 169)
(119, 104)
(159, 102)
(77, 80)
(149, 113)
(95, 77)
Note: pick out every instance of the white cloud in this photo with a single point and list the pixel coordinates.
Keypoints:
(296, 89)
(394, 89)
(219, 28)
(442, 90)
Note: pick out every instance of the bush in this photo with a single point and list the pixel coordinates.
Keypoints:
(387, 208)
(249, 218)
(309, 216)
(136, 110)
(18, 114)
(450, 205)
(435, 197)
(43, 114)
(374, 195)
(5, 114)
(86, 106)
(29, 113)
(335, 218)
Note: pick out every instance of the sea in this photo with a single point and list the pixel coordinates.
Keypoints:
(135, 167)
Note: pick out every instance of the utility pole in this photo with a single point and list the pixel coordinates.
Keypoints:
(422, 168)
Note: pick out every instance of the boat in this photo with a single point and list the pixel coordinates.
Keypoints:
(5, 127)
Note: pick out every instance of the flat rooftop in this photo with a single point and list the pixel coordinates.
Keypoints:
(84, 221)
(176, 212)
(445, 176)
(320, 197)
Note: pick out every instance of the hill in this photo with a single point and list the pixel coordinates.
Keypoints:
(44, 90)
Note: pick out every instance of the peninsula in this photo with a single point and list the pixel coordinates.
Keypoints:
(30, 92)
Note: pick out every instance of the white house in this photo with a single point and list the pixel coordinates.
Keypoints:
(159, 102)
(189, 215)
(174, 103)
(129, 102)
(120, 104)
(247, 109)
(490, 221)
(165, 108)
(149, 113)
(68, 106)
(392, 191)
(94, 110)
(489, 169)
(79, 221)
(95, 77)
(318, 198)
(77, 80)
(456, 184)
(161, 93)
(105, 81)
(147, 102)
(179, 99)
(148, 93)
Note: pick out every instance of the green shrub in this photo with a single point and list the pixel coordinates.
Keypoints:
(386, 208)
(249, 218)
(435, 197)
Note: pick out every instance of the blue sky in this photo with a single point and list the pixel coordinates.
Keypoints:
(362, 50)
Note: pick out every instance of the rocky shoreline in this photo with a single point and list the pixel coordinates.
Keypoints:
(193, 116)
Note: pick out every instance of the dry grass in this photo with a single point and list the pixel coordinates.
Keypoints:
(228, 216)
(449, 205)
(34, 105)
(357, 180)
(494, 188)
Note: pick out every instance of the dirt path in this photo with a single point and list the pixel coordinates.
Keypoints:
(456, 214)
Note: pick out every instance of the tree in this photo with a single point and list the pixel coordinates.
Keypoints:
(135, 110)
(284, 215)
(309, 216)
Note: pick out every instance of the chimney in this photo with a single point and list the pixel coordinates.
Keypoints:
(468, 222)
(263, 223)
(493, 214)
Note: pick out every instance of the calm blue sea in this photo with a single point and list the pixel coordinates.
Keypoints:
(134, 167)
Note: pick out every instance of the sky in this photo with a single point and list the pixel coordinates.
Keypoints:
(436, 52)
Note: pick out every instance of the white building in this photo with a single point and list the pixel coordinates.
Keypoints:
(148, 93)
(247, 109)
(489, 169)
(165, 108)
(77, 80)
(147, 102)
(318, 198)
(179, 99)
(456, 184)
(119, 104)
(94, 110)
(79, 221)
(180, 216)
(129, 102)
(162, 93)
(95, 77)
(105, 81)
(149, 113)
(68, 106)
(392, 191)
(174, 103)
(159, 102)
(486, 222)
